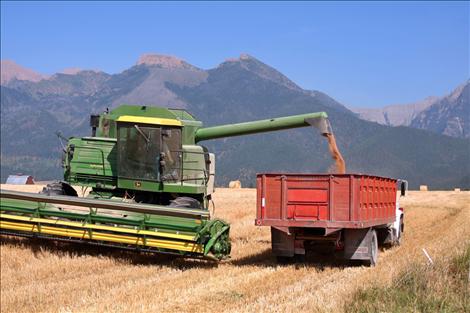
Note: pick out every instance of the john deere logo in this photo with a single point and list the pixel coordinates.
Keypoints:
(137, 184)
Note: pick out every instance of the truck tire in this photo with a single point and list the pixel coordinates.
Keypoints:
(400, 232)
(374, 249)
(284, 260)
(300, 258)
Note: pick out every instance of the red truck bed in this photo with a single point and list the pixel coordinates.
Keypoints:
(325, 200)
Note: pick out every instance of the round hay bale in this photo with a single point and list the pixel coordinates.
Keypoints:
(423, 188)
(235, 184)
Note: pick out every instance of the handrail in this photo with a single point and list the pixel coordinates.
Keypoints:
(111, 205)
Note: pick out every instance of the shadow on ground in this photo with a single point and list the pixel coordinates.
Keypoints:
(314, 260)
(263, 258)
(66, 249)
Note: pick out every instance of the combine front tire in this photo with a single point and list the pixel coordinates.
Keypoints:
(59, 188)
(185, 202)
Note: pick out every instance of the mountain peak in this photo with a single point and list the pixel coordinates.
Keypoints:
(458, 91)
(450, 115)
(11, 70)
(71, 70)
(241, 58)
(252, 64)
(246, 56)
(77, 71)
(163, 61)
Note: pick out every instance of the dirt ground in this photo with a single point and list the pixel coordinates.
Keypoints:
(38, 276)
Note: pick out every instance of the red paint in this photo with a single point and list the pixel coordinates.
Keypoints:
(324, 200)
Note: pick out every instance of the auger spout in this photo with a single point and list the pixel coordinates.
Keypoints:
(318, 120)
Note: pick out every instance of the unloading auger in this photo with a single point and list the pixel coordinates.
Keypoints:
(150, 184)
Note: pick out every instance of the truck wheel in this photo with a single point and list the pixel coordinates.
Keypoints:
(299, 258)
(400, 232)
(374, 249)
(284, 260)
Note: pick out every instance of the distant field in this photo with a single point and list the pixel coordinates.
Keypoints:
(39, 276)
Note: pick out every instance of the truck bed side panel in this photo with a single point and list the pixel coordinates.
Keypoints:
(324, 200)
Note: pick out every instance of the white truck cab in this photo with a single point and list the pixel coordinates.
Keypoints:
(398, 225)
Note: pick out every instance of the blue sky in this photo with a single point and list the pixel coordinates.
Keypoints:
(361, 53)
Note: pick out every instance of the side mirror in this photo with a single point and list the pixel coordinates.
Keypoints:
(403, 188)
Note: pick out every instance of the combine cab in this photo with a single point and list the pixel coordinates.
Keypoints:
(149, 183)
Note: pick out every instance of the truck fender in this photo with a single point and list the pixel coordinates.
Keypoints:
(282, 242)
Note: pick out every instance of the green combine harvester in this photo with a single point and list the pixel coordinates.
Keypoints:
(150, 184)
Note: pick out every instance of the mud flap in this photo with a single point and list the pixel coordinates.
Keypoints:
(283, 243)
(358, 244)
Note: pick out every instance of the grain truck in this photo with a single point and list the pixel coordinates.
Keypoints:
(347, 214)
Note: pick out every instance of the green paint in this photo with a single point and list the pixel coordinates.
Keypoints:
(255, 127)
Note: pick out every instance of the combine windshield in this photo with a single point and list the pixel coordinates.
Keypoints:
(149, 153)
(171, 153)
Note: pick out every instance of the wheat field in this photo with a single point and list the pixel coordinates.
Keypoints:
(40, 276)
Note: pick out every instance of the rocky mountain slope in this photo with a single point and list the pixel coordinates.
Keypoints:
(237, 90)
(395, 114)
(448, 115)
(10, 71)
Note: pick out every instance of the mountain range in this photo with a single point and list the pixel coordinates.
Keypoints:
(447, 115)
(34, 107)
